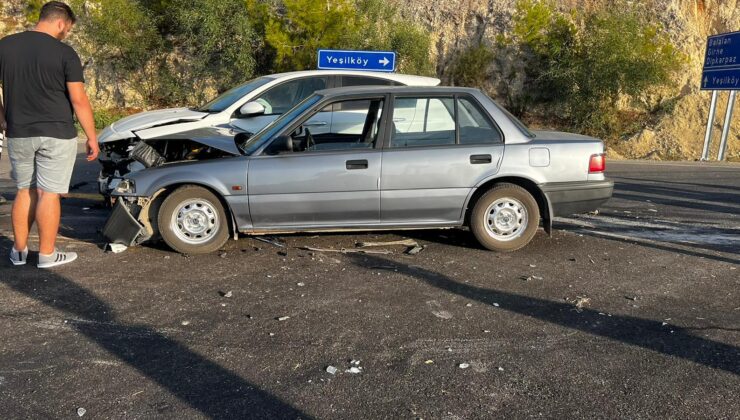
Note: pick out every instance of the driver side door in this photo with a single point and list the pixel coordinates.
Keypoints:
(329, 179)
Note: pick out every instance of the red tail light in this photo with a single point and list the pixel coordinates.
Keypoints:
(597, 163)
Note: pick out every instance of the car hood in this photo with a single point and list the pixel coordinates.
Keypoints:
(126, 127)
(221, 138)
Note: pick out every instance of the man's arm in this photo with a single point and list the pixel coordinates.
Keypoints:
(83, 110)
(3, 123)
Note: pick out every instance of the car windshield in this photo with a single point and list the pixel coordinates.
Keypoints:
(255, 142)
(232, 95)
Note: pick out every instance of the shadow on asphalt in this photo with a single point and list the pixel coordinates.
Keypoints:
(200, 383)
(708, 200)
(669, 340)
(646, 181)
(663, 246)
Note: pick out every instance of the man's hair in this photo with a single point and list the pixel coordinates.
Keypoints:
(57, 10)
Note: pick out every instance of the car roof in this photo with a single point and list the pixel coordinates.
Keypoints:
(361, 90)
(406, 79)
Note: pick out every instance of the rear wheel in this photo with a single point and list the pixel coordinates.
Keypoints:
(192, 220)
(505, 218)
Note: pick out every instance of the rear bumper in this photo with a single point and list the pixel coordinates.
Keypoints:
(568, 198)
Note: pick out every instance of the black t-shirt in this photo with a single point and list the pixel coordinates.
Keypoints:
(34, 70)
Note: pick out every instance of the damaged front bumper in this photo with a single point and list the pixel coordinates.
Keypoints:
(123, 227)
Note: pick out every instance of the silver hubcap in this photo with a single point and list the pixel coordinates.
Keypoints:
(506, 219)
(195, 221)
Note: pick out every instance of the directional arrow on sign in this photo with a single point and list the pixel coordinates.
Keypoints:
(384, 61)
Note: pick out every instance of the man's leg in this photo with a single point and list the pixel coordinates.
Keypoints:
(23, 215)
(48, 214)
(22, 153)
(54, 162)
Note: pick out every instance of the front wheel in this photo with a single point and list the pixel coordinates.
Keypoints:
(505, 218)
(192, 220)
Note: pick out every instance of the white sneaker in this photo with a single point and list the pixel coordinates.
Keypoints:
(18, 257)
(56, 258)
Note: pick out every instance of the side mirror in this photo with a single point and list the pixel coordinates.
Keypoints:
(281, 144)
(251, 109)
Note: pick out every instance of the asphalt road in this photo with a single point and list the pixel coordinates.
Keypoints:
(631, 313)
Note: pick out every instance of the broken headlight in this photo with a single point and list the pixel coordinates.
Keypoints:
(126, 186)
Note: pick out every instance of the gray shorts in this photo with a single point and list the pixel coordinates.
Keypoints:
(42, 162)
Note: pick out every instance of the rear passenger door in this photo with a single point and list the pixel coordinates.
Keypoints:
(439, 148)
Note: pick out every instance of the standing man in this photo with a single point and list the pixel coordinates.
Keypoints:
(42, 86)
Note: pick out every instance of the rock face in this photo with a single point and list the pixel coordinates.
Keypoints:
(456, 24)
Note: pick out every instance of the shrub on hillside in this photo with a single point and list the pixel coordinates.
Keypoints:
(586, 63)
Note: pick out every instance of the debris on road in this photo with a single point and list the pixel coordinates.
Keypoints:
(270, 240)
(331, 369)
(81, 411)
(354, 369)
(632, 298)
(580, 302)
(222, 254)
(300, 284)
(406, 242)
(283, 318)
(413, 246)
(414, 250)
(116, 248)
(226, 294)
(345, 250)
(429, 362)
(463, 365)
(185, 323)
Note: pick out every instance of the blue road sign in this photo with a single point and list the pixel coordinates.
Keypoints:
(722, 63)
(357, 60)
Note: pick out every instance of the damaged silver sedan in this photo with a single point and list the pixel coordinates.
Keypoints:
(364, 158)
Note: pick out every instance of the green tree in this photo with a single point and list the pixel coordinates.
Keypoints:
(470, 67)
(217, 38)
(121, 38)
(586, 63)
(293, 30)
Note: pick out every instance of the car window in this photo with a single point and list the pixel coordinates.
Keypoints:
(367, 81)
(285, 96)
(423, 122)
(232, 95)
(475, 126)
(355, 129)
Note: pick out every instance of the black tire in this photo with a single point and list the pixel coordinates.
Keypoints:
(519, 208)
(206, 212)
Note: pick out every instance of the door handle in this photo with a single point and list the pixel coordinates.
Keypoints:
(315, 124)
(480, 159)
(357, 164)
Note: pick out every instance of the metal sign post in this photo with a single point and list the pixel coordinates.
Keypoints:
(710, 124)
(721, 72)
(726, 128)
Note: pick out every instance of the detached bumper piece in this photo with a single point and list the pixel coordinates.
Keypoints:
(568, 198)
(123, 228)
